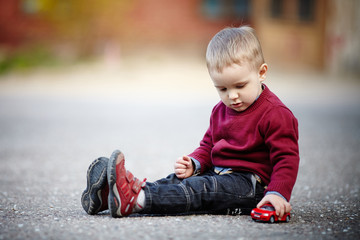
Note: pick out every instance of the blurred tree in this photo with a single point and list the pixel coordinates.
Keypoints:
(85, 24)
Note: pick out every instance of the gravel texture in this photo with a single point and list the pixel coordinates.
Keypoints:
(48, 140)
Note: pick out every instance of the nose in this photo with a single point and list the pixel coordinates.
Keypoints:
(233, 94)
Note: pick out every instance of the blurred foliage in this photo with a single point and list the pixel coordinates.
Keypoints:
(77, 30)
(85, 21)
(27, 58)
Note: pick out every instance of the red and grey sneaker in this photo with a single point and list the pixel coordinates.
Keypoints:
(124, 188)
(94, 197)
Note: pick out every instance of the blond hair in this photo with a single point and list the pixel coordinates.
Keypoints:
(234, 45)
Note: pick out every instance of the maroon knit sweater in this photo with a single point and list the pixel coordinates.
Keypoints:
(263, 140)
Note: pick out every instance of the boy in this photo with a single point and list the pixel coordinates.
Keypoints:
(248, 156)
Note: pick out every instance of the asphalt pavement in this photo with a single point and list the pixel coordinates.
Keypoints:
(48, 138)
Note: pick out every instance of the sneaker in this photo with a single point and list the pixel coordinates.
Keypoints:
(124, 188)
(94, 197)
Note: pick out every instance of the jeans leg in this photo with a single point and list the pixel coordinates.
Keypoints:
(208, 192)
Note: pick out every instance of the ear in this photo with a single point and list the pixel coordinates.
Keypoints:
(262, 72)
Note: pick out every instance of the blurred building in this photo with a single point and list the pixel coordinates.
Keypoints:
(292, 32)
(20, 24)
(310, 34)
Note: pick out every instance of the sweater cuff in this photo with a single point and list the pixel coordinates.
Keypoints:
(197, 166)
(284, 188)
(276, 193)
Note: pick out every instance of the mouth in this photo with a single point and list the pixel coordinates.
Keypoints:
(236, 105)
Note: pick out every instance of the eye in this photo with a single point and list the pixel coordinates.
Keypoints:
(222, 89)
(240, 86)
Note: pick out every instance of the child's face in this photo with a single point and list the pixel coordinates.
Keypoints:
(239, 86)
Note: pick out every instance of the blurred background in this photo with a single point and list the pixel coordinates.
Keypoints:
(80, 78)
(320, 35)
(68, 64)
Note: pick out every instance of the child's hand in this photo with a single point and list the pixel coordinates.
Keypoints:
(281, 205)
(184, 167)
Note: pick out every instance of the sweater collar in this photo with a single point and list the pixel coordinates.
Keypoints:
(254, 105)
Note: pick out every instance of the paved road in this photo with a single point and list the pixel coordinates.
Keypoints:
(47, 143)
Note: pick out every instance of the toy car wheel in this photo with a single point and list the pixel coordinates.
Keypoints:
(287, 218)
(272, 219)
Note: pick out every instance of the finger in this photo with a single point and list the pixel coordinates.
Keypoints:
(277, 207)
(280, 210)
(288, 208)
(179, 171)
(179, 160)
(181, 164)
(261, 203)
(187, 159)
(180, 174)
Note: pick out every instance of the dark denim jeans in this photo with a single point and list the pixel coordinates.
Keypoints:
(234, 193)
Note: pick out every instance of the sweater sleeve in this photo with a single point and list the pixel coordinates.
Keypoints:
(281, 137)
(203, 152)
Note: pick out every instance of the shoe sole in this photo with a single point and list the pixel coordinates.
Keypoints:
(113, 197)
(96, 180)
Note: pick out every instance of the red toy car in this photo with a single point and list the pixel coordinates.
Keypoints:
(267, 213)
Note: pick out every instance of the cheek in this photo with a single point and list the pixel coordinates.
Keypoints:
(221, 94)
(247, 98)
(223, 97)
(251, 96)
